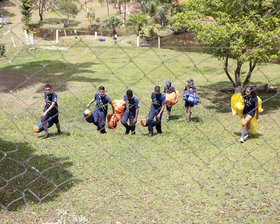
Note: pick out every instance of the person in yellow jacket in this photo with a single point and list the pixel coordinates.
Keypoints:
(249, 111)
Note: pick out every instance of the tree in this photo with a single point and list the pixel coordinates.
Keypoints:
(2, 50)
(68, 8)
(152, 30)
(25, 9)
(138, 20)
(113, 23)
(91, 15)
(246, 31)
(101, 2)
(42, 7)
(108, 12)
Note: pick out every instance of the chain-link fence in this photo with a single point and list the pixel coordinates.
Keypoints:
(195, 171)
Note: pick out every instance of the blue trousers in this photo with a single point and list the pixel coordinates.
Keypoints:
(99, 119)
(128, 116)
(153, 114)
(53, 115)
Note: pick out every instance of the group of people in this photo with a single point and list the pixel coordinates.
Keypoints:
(131, 112)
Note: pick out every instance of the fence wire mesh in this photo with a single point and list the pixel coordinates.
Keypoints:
(195, 172)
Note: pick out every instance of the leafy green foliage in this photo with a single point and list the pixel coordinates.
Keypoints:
(68, 8)
(245, 31)
(112, 23)
(152, 30)
(138, 20)
(25, 9)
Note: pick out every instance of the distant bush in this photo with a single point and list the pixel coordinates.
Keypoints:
(2, 50)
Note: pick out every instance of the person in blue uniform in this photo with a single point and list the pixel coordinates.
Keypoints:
(192, 89)
(168, 88)
(156, 110)
(131, 112)
(50, 110)
(101, 109)
(249, 111)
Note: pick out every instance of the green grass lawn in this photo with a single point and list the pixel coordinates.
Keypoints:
(192, 173)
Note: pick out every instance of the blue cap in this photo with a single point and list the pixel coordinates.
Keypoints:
(190, 80)
(168, 83)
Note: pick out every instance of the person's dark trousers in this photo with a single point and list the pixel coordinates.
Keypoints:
(99, 119)
(128, 116)
(152, 114)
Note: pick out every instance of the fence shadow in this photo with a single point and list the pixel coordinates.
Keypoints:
(28, 178)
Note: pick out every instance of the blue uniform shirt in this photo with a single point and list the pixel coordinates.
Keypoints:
(131, 104)
(191, 89)
(49, 99)
(169, 90)
(250, 104)
(102, 102)
(158, 101)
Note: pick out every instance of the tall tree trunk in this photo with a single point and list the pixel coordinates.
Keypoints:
(238, 87)
(248, 76)
(41, 17)
(107, 1)
(120, 8)
(227, 73)
(124, 13)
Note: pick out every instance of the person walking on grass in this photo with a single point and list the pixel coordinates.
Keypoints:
(156, 110)
(101, 109)
(168, 88)
(190, 88)
(130, 113)
(249, 111)
(50, 110)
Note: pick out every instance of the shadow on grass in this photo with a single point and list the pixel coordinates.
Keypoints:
(53, 133)
(54, 21)
(58, 73)
(28, 178)
(252, 136)
(3, 11)
(220, 102)
(196, 119)
(175, 117)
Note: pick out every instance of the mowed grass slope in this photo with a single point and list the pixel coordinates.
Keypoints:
(192, 173)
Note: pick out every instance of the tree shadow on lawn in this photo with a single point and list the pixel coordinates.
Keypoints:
(57, 73)
(220, 101)
(27, 178)
(55, 21)
(5, 12)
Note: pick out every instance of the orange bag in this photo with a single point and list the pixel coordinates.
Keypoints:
(119, 106)
(112, 121)
(172, 98)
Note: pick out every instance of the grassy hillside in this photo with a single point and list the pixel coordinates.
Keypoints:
(52, 19)
(192, 173)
